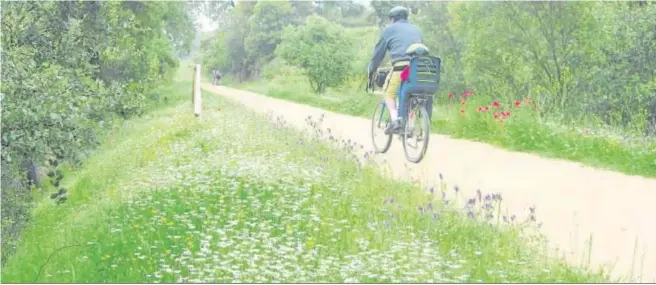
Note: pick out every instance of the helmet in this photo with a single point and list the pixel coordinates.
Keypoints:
(398, 12)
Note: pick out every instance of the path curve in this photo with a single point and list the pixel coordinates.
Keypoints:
(573, 201)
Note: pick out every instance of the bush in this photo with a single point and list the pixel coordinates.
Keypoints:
(320, 49)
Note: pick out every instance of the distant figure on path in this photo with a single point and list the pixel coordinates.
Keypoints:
(216, 75)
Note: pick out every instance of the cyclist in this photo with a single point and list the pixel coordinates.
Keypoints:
(400, 38)
(217, 76)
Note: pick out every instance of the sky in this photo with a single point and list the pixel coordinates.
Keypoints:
(206, 24)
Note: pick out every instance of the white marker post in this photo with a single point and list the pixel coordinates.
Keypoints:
(196, 96)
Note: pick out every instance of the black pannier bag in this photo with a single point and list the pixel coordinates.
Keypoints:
(381, 76)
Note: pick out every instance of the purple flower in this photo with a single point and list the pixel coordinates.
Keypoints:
(470, 214)
(455, 188)
(435, 217)
(431, 190)
(441, 178)
(532, 209)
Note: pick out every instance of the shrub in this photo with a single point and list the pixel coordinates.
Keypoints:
(320, 49)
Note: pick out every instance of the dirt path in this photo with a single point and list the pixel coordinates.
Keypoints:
(574, 202)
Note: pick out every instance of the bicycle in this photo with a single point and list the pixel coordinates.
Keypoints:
(415, 99)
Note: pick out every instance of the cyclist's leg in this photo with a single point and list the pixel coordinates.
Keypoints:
(390, 94)
(391, 89)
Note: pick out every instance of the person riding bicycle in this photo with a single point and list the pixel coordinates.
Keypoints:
(217, 76)
(400, 38)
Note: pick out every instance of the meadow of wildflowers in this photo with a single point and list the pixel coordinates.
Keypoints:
(236, 197)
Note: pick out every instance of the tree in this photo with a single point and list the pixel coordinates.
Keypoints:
(266, 25)
(320, 49)
(302, 9)
(67, 68)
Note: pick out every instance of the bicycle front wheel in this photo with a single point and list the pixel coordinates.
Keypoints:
(416, 133)
(379, 122)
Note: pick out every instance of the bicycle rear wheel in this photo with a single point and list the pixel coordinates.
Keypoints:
(379, 122)
(416, 132)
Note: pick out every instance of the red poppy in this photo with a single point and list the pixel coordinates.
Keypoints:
(463, 102)
(528, 101)
(496, 104)
(468, 93)
(487, 108)
(462, 111)
(496, 115)
(506, 114)
(480, 109)
(451, 95)
(517, 104)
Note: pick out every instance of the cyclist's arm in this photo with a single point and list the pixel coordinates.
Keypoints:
(379, 51)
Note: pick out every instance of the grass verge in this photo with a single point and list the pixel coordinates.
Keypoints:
(523, 131)
(231, 197)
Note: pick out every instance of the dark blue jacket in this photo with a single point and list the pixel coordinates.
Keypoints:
(396, 38)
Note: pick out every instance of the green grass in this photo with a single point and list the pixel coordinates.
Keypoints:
(523, 131)
(231, 197)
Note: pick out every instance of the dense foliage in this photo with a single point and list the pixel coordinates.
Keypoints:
(587, 62)
(251, 31)
(68, 69)
(320, 49)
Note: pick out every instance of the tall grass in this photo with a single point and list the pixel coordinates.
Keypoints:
(232, 197)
